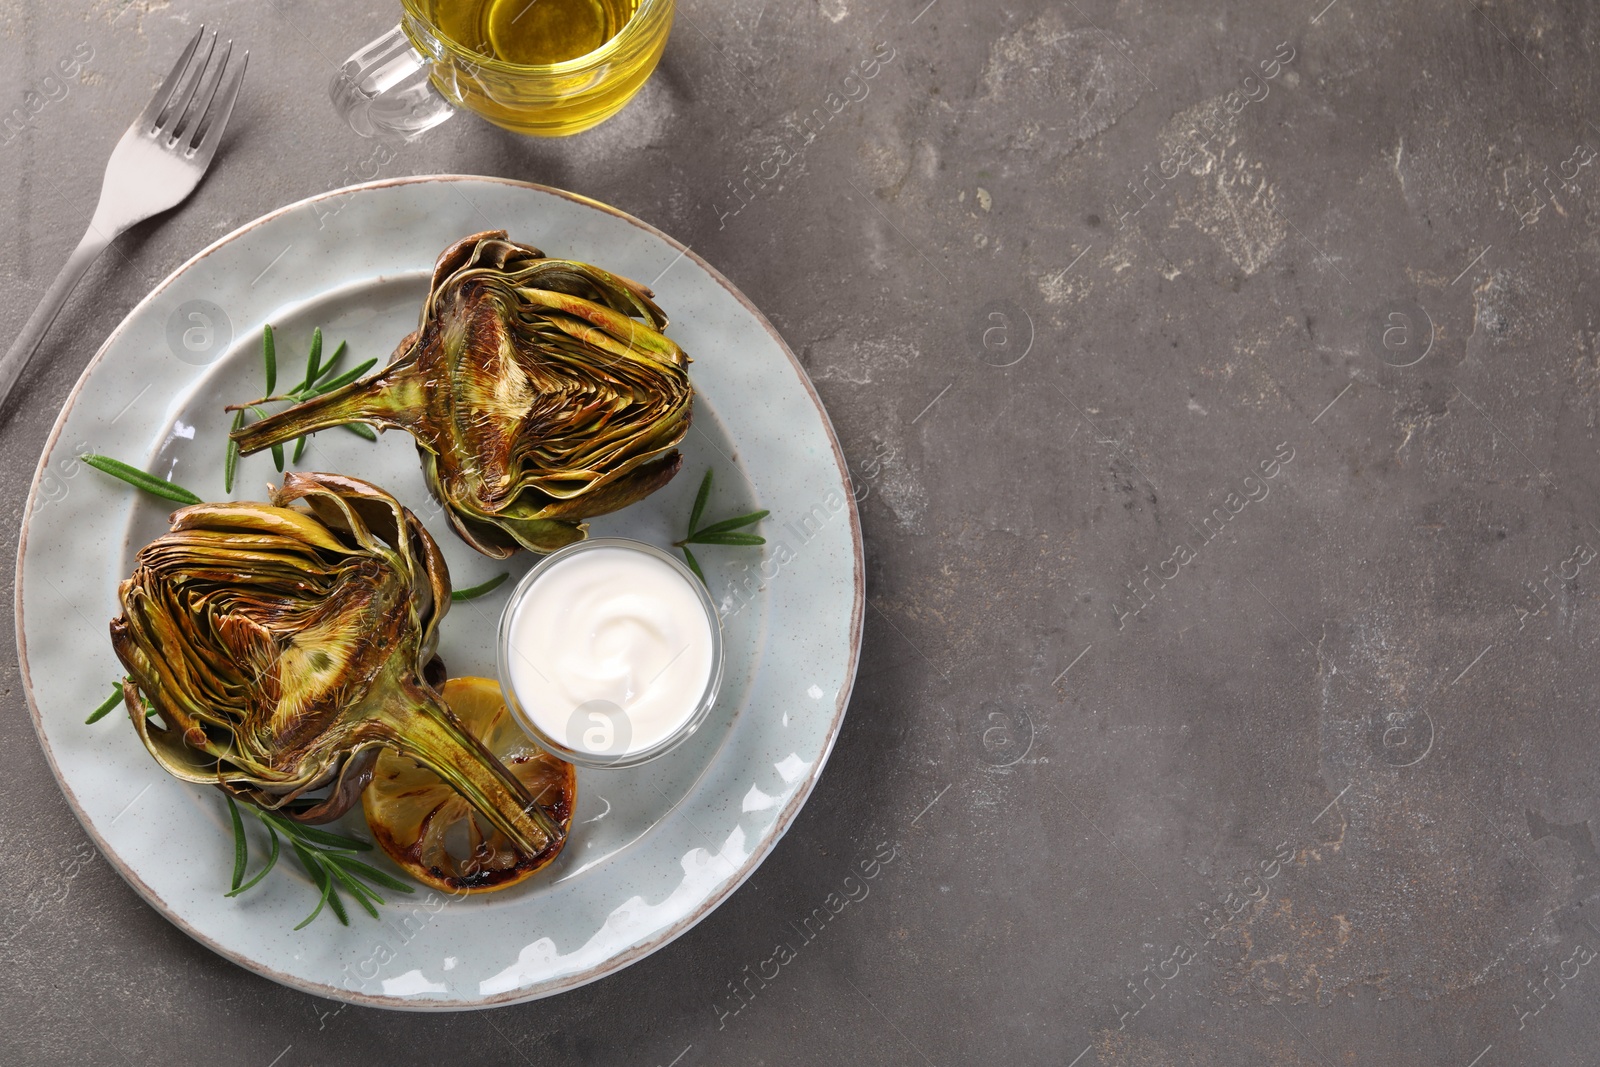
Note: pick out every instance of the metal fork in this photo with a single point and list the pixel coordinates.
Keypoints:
(154, 167)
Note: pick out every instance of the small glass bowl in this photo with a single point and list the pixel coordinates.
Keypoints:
(602, 714)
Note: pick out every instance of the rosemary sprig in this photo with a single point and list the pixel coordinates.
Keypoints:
(143, 479)
(725, 532)
(476, 591)
(328, 858)
(319, 378)
(316, 370)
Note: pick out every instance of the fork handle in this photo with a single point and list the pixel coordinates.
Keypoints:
(44, 315)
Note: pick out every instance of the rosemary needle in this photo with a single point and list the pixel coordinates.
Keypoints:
(269, 355)
(143, 479)
(476, 591)
(105, 709)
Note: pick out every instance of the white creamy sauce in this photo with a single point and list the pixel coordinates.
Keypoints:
(610, 651)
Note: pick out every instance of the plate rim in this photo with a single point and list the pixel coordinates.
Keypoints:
(661, 938)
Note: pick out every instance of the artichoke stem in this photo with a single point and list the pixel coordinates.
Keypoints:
(440, 744)
(373, 400)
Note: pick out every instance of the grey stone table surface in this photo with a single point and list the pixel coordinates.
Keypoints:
(1221, 382)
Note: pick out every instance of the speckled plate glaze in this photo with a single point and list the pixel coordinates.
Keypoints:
(654, 848)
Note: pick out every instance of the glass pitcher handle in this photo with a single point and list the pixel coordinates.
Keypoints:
(384, 89)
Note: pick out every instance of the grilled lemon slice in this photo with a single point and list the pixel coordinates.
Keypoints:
(432, 833)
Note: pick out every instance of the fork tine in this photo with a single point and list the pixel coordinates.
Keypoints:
(180, 99)
(205, 89)
(158, 102)
(209, 132)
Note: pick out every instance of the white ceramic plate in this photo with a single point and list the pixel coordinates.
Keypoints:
(653, 848)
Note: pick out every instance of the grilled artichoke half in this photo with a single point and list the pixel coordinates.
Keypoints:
(283, 648)
(536, 395)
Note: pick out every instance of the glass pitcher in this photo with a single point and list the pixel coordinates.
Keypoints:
(415, 76)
